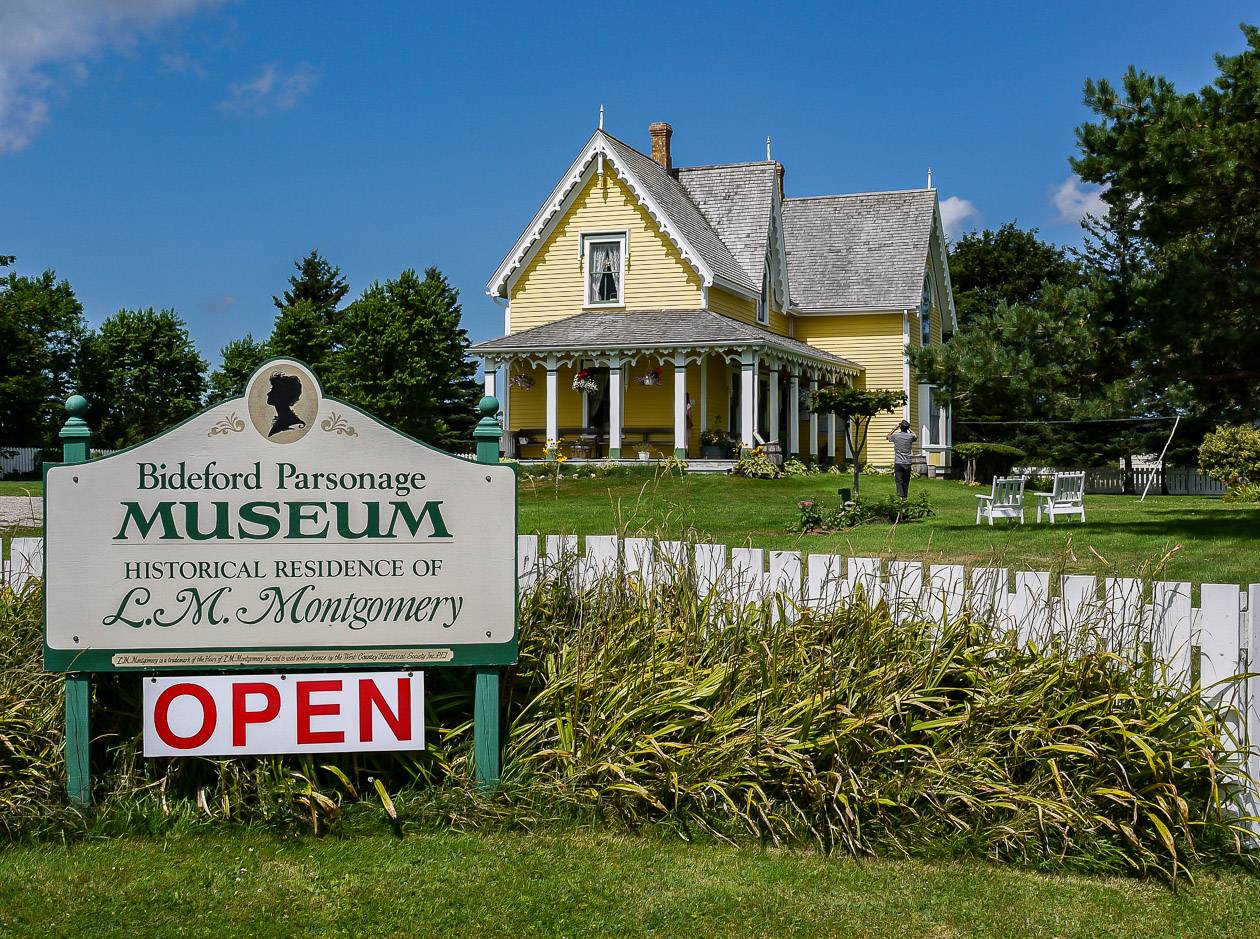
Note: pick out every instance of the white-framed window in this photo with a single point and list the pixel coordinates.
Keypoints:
(925, 312)
(934, 422)
(763, 304)
(604, 260)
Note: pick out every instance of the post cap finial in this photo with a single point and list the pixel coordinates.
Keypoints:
(77, 406)
(488, 406)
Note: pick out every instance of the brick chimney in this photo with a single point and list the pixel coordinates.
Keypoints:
(660, 133)
(780, 170)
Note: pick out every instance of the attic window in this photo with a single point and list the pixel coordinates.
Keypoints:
(763, 305)
(925, 312)
(605, 262)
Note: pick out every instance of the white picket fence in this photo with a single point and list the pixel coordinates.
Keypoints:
(19, 461)
(1109, 480)
(1207, 643)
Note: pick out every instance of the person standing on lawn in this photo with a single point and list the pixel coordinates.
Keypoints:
(902, 439)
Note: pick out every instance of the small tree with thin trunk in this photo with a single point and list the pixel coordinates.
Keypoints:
(855, 408)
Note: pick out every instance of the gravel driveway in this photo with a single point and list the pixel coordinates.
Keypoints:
(21, 511)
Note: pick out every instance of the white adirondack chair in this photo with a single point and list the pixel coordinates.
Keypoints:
(1067, 497)
(1006, 500)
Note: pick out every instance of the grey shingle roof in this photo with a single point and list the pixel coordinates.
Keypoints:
(647, 330)
(864, 251)
(737, 199)
(683, 213)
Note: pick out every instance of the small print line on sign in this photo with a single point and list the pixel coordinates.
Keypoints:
(330, 657)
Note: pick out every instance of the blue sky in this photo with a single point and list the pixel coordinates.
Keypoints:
(182, 153)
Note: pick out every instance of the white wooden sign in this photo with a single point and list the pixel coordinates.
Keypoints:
(274, 524)
(236, 715)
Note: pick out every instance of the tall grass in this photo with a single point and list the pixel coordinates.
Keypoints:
(849, 731)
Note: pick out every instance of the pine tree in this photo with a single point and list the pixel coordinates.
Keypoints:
(402, 354)
(318, 283)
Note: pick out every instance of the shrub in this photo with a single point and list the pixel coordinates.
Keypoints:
(755, 464)
(849, 730)
(984, 461)
(1231, 455)
(794, 467)
(811, 516)
(1245, 494)
(890, 510)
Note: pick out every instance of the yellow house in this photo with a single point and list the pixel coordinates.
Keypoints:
(647, 304)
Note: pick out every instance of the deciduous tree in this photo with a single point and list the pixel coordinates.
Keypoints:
(141, 373)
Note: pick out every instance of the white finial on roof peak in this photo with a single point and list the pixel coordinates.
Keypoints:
(929, 177)
(601, 117)
(768, 157)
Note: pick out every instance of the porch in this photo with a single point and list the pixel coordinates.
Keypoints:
(668, 383)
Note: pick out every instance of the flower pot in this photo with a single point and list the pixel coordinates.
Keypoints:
(714, 453)
(644, 455)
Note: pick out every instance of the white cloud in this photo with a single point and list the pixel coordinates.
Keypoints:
(270, 90)
(43, 45)
(1074, 199)
(956, 211)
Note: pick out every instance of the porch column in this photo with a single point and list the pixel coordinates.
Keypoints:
(704, 393)
(492, 370)
(794, 414)
(614, 408)
(813, 420)
(680, 406)
(772, 404)
(553, 402)
(831, 438)
(747, 402)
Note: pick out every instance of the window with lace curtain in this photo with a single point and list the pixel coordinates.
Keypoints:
(605, 263)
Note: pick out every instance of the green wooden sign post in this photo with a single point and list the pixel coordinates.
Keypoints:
(487, 435)
(486, 660)
(76, 440)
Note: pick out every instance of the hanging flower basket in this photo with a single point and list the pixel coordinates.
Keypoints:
(650, 378)
(584, 384)
(523, 382)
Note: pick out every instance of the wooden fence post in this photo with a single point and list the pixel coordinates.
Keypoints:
(487, 435)
(76, 441)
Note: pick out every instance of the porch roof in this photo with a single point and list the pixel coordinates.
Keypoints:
(647, 330)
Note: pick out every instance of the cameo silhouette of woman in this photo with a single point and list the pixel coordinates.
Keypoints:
(285, 391)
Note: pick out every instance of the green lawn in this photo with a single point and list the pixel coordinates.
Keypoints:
(14, 487)
(1210, 541)
(570, 883)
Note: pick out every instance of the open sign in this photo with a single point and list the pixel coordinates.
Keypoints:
(232, 715)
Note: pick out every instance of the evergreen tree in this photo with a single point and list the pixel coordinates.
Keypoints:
(1009, 265)
(318, 283)
(1185, 169)
(302, 333)
(402, 354)
(41, 328)
(141, 373)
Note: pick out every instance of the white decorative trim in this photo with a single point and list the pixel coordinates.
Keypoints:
(557, 204)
